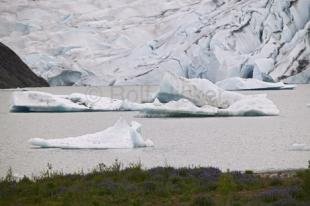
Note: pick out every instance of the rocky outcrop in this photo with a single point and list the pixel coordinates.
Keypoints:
(15, 73)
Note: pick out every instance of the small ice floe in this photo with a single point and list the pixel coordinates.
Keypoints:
(299, 147)
(237, 83)
(178, 96)
(120, 136)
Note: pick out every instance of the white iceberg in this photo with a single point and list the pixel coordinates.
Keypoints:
(182, 107)
(200, 97)
(34, 101)
(120, 136)
(257, 105)
(299, 147)
(237, 83)
(199, 91)
(177, 96)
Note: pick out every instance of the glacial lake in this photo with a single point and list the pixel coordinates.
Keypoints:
(236, 143)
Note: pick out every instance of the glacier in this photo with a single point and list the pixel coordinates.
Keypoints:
(176, 96)
(119, 136)
(94, 42)
(237, 83)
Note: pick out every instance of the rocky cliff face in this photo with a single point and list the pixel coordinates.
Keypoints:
(15, 73)
(94, 42)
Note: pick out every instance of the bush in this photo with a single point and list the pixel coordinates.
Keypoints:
(226, 184)
(305, 186)
(203, 201)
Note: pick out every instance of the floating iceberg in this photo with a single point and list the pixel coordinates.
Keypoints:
(34, 101)
(199, 91)
(257, 105)
(120, 136)
(237, 83)
(182, 107)
(177, 96)
(300, 147)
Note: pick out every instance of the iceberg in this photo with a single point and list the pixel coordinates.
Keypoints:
(179, 108)
(237, 83)
(257, 105)
(177, 96)
(34, 101)
(119, 136)
(299, 147)
(199, 91)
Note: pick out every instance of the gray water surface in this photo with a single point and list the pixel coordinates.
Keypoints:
(237, 143)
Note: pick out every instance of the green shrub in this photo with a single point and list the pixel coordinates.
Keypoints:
(203, 200)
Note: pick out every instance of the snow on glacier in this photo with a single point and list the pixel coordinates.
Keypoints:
(237, 83)
(93, 42)
(119, 136)
(302, 77)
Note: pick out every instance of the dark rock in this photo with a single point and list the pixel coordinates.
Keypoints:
(15, 73)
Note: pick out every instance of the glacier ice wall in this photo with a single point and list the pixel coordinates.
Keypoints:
(94, 42)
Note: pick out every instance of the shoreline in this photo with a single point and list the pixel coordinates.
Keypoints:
(133, 185)
(280, 173)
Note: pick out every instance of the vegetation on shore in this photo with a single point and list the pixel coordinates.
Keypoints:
(134, 185)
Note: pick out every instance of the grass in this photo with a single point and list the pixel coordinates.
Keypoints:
(134, 185)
